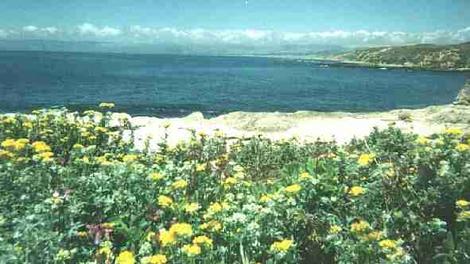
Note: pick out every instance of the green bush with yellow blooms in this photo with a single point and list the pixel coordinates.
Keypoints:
(75, 189)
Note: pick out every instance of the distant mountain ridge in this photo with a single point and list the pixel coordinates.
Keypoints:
(426, 56)
(164, 48)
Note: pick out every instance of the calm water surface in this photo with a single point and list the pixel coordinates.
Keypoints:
(173, 85)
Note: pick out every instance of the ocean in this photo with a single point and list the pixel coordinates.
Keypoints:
(176, 85)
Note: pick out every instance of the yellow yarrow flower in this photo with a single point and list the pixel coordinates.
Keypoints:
(45, 156)
(191, 208)
(454, 131)
(201, 167)
(365, 159)
(129, 158)
(105, 251)
(388, 244)
(203, 240)
(305, 176)
(155, 259)
(356, 191)
(191, 250)
(230, 181)
(359, 226)
(214, 208)
(335, 229)
(422, 140)
(164, 201)
(265, 198)
(125, 257)
(212, 225)
(181, 229)
(374, 235)
(156, 176)
(293, 189)
(462, 216)
(462, 203)
(40, 146)
(179, 184)
(6, 154)
(167, 238)
(282, 246)
(462, 147)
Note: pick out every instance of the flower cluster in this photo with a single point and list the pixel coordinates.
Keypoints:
(76, 189)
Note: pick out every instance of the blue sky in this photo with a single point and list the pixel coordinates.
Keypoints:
(344, 22)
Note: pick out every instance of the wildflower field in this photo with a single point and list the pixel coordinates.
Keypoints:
(73, 189)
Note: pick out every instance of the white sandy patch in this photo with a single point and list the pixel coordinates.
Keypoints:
(306, 126)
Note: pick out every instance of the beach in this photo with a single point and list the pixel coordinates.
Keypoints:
(305, 126)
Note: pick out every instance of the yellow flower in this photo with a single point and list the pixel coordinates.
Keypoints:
(105, 251)
(356, 191)
(101, 129)
(150, 236)
(462, 147)
(191, 250)
(6, 154)
(293, 189)
(213, 225)
(388, 244)
(201, 167)
(335, 229)
(77, 146)
(282, 246)
(129, 158)
(191, 208)
(156, 176)
(454, 131)
(265, 198)
(179, 184)
(167, 238)
(359, 226)
(422, 140)
(8, 143)
(305, 176)
(203, 240)
(125, 257)
(27, 125)
(155, 259)
(45, 156)
(214, 208)
(164, 201)
(106, 105)
(230, 181)
(181, 229)
(462, 203)
(365, 159)
(374, 235)
(40, 146)
(107, 225)
(82, 234)
(462, 216)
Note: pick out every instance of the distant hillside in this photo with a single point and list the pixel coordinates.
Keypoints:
(427, 56)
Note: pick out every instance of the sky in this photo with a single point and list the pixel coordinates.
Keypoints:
(239, 22)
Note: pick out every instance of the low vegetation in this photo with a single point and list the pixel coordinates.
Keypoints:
(73, 189)
(426, 56)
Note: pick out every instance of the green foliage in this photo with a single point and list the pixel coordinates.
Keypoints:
(73, 189)
(437, 57)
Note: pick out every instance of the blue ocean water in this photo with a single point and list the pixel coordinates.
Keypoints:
(175, 85)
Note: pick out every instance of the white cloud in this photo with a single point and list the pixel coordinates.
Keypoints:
(90, 29)
(3, 33)
(254, 37)
(40, 31)
(266, 37)
(30, 28)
